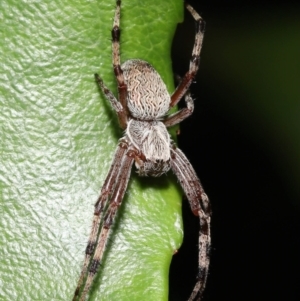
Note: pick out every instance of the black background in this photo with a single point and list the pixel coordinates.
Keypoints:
(255, 223)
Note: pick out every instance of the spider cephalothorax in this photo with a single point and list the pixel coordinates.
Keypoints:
(142, 112)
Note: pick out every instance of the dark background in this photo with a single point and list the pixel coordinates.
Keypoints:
(238, 151)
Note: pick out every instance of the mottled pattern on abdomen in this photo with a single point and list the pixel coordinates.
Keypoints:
(147, 97)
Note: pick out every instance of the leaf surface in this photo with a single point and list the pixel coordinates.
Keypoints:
(58, 135)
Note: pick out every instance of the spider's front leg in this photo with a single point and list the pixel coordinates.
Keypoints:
(200, 206)
(113, 192)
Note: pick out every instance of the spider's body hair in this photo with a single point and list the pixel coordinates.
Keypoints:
(151, 139)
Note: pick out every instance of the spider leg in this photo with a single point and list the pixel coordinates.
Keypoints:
(117, 106)
(122, 87)
(106, 191)
(195, 60)
(200, 206)
(181, 114)
(109, 216)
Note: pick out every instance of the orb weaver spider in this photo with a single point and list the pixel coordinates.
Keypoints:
(142, 113)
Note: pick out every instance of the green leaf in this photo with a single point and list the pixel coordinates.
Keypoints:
(58, 136)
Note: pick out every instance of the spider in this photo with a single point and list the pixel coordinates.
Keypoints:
(142, 113)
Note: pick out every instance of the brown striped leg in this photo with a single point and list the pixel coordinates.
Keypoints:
(109, 216)
(122, 115)
(194, 63)
(106, 191)
(200, 206)
(181, 114)
(115, 33)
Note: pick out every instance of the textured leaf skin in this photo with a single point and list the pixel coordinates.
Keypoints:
(58, 135)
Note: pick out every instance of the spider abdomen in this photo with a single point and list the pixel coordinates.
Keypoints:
(147, 94)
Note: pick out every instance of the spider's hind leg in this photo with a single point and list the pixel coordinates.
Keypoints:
(188, 78)
(182, 114)
(117, 106)
(115, 33)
